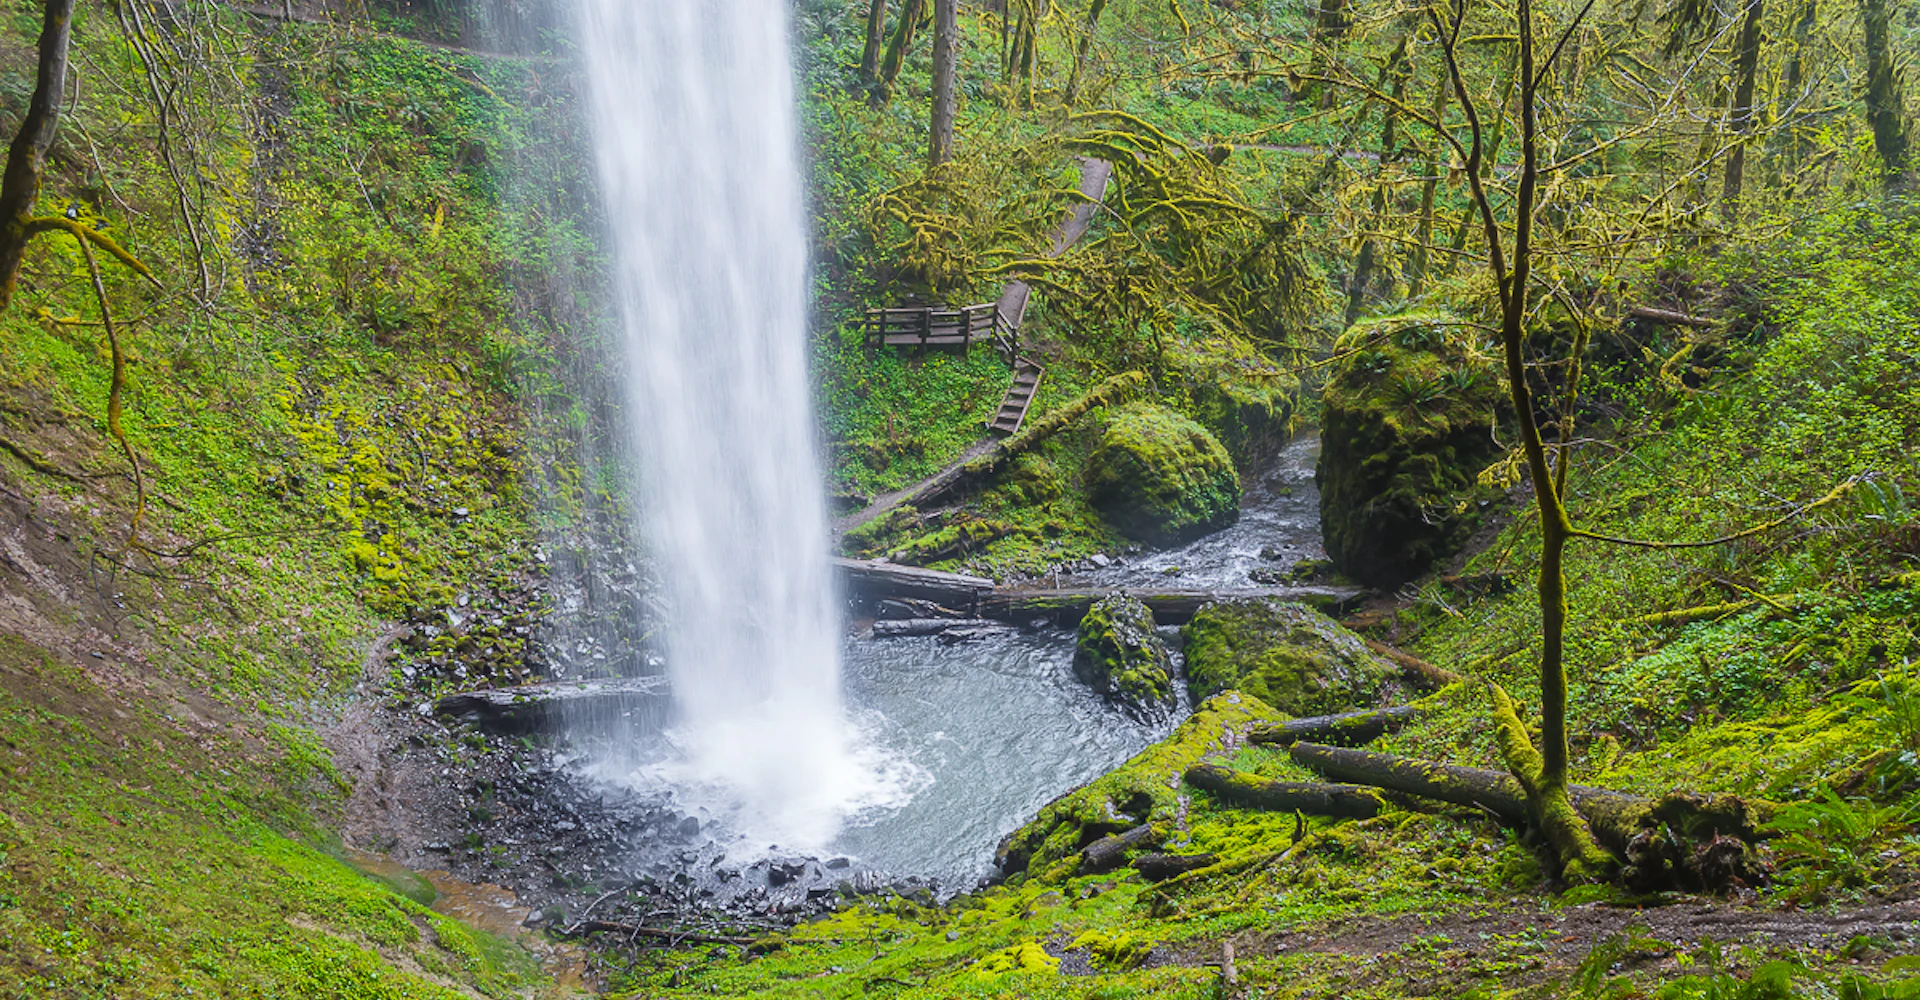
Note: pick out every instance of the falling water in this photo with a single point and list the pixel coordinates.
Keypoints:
(700, 176)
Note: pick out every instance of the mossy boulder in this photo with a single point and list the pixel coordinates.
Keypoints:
(1288, 655)
(1119, 655)
(1406, 427)
(1146, 789)
(1239, 394)
(1160, 477)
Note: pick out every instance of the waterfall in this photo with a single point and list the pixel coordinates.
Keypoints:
(696, 137)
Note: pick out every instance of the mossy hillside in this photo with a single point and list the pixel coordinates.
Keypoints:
(1407, 421)
(1160, 477)
(1117, 653)
(140, 860)
(1288, 655)
(338, 436)
(1146, 789)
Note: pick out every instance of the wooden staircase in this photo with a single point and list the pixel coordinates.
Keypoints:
(1019, 398)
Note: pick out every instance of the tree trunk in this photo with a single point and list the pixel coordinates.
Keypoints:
(1080, 51)
(1368, 260)
(1740, 117)
(1348, 729)
(27, 157)
(896, 56)
(1429, 191)
(1615, 816)
(1161, 867)
(946, 59)
(1884, 111)
(876, 41)
(1254, 792)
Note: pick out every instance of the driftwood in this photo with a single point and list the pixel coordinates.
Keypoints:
(536, 707)
(1110, 852)
(1067, 606)
(1160, 867)
(1253, 791)
(1349, 729)
(873, 579)
(901, 609)
(1415, 668)
(927, 626)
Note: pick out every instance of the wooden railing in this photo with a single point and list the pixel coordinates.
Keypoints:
(939, 326)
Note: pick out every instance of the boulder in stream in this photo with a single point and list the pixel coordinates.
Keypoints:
(1287, 655)
(1119, 655)
(1160, 477)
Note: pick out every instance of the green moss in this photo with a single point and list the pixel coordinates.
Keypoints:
(1243, 397)
(1406, 428)
(1143, 790)
(1119, 655)
(1160, 477)
(1288, 655)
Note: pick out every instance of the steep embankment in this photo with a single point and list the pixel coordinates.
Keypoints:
(341, 402)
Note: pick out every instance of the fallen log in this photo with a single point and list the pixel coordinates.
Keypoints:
(1416, 669)
(1110, 852)
(1252, 791)
(536, 707)
(1160, 867)
(927, 626)
(657, 933)
(1066, 606)
(874, 579)
(1348, 729)
(1668, 317)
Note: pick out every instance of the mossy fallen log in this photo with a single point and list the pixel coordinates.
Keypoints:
(1110, 852)
(1252, 791)
(1418, 670)
(1348, 729)
(1681, 840)
(1687, 616)
(1160, 867)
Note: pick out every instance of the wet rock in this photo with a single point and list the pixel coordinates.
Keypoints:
(688, 827)
(540, 707)
(1289, 656)
(1406, 422)
(1119, 655)
(1159, 477)
(781, 873)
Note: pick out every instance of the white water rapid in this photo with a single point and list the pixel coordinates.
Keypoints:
(700, 176)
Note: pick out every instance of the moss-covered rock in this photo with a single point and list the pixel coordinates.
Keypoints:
(1146, 789)
(1406, 425)
(1119, 655)
(1160, 477)
(1288, 655)
(1243, 397)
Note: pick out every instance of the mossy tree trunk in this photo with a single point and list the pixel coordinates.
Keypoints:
(1543, 772)
(27, 157)
(896, 54)
(946, 58)
(1422, 260)
(1740, 116)
(1367, 263)
(876, 42)
(1884, 111)
(1081, 50)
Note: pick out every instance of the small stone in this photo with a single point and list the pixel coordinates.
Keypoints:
(1100, 560)
(437, 847)
(566, 826)
(840, 863)
(953, 935)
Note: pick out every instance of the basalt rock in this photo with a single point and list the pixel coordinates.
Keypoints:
(1406, 428)
(1288, 655)
(1160, 477)
(1119, 655)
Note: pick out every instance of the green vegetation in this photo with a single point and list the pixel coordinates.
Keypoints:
(1287, 655)
(1117, 652)
(1160, 477)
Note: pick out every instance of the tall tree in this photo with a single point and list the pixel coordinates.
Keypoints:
(1740, 115)
(876, 41)
(946, 59)
(27, 157)
(1884, 111)
(1080, 51)
(896, 56)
